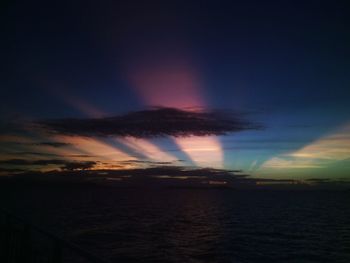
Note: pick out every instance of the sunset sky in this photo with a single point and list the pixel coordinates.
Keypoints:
(246, 85)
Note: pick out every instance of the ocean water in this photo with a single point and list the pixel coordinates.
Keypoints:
(192, 225)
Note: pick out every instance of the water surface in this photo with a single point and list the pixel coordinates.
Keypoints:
(192, 225)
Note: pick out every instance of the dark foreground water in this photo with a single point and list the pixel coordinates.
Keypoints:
(189, 225)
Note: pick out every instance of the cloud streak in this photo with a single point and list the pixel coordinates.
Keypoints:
(52, 144)
(158, 122)
(63, 164)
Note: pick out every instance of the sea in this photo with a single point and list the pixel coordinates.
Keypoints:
(190, 225)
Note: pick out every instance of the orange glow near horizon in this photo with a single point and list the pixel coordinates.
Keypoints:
(97, 148)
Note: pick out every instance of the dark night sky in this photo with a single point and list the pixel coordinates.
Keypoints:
(282, 64)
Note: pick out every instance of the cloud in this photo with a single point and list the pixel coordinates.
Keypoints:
(63, 164)
(52, 144)
(17, 153)
(157, 122)
(173, 176)
(11, 171)
(172, 171)
(80, 155)
(51, 155)
(31, 162)
(144, 162)
(160, 172)
(12, 126)
(318, 180)
(71, 166)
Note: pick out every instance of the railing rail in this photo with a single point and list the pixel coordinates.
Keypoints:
(21, 241)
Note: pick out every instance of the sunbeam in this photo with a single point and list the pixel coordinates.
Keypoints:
(173, 81)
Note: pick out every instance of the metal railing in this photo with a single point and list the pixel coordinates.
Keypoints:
(23, 242)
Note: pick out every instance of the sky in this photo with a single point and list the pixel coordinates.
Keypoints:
(256, 86)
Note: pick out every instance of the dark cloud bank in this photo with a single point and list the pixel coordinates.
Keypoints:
(63, 164)
(52, 144)
(156, 122)
(163, 176)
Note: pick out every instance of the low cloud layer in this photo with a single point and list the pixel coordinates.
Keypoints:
(63, 164)
(157, 122)
(52, 144)
(174, 171)
(173, 176)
